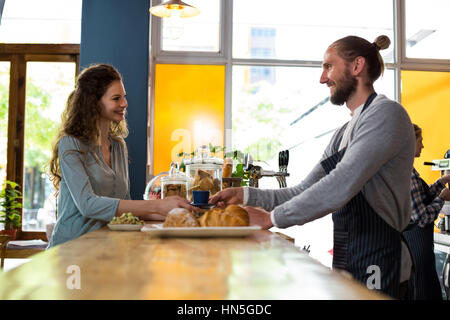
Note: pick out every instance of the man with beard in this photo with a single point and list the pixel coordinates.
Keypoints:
(363, 178)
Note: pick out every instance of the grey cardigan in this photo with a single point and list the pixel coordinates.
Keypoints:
(90, 190)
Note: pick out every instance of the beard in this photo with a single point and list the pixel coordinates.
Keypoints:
(344, 88)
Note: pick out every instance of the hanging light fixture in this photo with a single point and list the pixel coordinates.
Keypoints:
(166, 9)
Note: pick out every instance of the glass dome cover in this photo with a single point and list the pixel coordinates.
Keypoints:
(154, 187)
(204, 172)
(175, 183)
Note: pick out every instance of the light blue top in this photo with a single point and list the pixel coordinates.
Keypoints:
(89, 190)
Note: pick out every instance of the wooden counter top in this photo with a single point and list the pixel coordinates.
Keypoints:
(133, 265)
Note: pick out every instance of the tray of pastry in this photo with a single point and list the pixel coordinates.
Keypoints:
(201, 232)
(232, 221)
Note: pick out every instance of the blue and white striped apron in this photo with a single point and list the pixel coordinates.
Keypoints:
(362, 239)
(424, 282)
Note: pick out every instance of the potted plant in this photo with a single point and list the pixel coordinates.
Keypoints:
(239, 177)
(10, 206)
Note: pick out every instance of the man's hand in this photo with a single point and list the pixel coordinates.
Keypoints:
(228, 196)
(260, 217)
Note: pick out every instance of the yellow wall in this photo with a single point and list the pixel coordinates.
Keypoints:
(426, 96)
(189, 110)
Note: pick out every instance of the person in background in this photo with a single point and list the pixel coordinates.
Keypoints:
(363, 178)
(89, 164)
(427, 202)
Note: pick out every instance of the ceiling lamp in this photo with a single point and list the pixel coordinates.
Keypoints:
(166, 9)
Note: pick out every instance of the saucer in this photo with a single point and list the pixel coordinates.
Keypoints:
(203, 205)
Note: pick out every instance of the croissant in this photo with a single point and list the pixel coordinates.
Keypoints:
(232, 216)
(180, 217)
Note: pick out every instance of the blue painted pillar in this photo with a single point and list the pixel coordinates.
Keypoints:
(117, 32)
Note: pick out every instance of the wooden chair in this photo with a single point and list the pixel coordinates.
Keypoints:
(3, 242)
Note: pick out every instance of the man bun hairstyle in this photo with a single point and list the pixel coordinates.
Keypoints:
(351, 47)
(382, 42)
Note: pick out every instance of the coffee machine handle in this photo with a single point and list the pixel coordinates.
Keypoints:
(287, 159)
(280, 160)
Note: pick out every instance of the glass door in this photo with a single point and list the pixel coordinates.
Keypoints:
(4, 107)
(4, 102)
(48, 85)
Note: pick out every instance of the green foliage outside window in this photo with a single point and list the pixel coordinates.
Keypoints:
(263, 116)
(40, 132)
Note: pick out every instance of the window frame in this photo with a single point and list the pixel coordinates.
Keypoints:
(419, 64)
(18, 55)
(177, 56)
(401, 62)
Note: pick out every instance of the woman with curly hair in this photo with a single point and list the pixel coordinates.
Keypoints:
(89, 165)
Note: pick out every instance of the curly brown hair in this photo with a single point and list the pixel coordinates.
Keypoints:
(81, 116)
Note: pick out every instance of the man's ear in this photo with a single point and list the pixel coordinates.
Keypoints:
(358, 65)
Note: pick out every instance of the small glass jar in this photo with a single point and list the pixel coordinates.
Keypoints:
(227, 168)
(175, 184)
(204, 172)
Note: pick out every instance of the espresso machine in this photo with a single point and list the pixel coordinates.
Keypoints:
(443, 165)
(442, 239)
(257, 172)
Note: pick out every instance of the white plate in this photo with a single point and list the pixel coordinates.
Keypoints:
(159, 231)
(125, 227)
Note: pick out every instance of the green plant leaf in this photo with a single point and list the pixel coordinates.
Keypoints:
(10, 202)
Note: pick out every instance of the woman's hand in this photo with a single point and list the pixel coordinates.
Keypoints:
(260, 217)
(445, 194)
(228, 196)
(169, 203)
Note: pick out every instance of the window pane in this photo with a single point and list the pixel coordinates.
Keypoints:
(4, 101)
(302, 30)
(48, 86)
(427, 29)
(199, 33)
(386, 84)
(425, 95)
(188, 118)
(43, 21)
